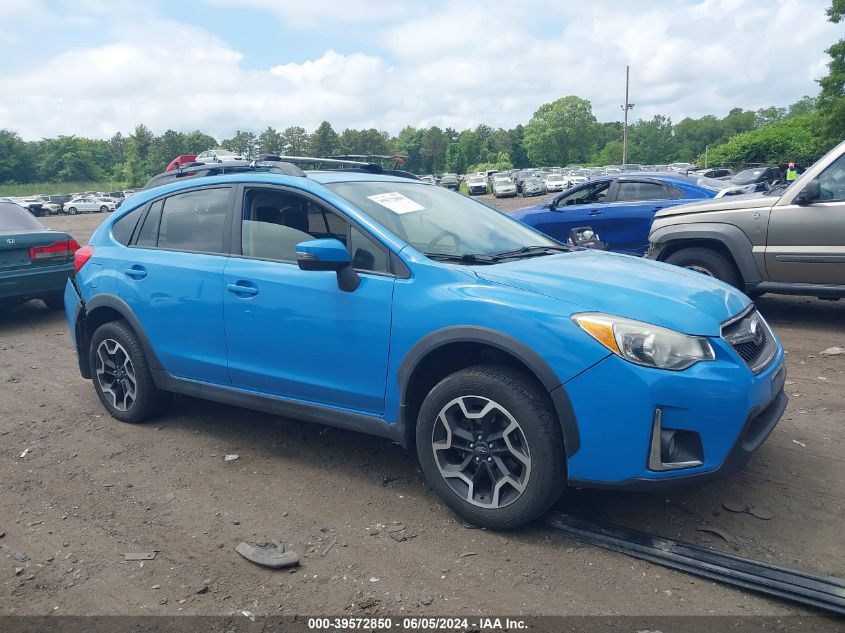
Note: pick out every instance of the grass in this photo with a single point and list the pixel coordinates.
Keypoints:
(57, 188)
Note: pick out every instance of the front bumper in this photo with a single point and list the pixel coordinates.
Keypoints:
(731, 410)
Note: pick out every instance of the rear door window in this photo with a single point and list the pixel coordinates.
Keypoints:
(195, 221)
(634, 191)
(148, 235)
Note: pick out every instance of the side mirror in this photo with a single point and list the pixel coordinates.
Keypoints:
(811, 192)
(328, 254)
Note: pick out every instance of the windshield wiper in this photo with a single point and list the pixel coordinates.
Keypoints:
(532, 251)
(466, 258)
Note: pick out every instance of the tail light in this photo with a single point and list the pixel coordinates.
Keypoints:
(81, 257)
(62, 249)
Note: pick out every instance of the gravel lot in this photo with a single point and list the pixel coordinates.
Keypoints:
(91, 489)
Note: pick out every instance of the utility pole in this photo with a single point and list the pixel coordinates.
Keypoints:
(626, 107)
(706, 150)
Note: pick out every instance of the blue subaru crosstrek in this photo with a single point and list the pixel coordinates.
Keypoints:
(618, 211)
(511, 364)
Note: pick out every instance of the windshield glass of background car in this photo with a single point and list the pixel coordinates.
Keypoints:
(831, 181)
(594, 192)
(713, 184)
(15, 218)
(438, 221)
(747, 176)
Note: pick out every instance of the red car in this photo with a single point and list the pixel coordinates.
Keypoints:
(180, 161)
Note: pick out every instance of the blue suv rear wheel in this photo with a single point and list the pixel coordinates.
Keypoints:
(121, 374)
(490, 445)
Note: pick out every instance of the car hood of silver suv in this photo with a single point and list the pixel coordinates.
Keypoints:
(728, 203)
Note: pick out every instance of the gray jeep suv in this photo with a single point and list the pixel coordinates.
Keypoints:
(791, 243)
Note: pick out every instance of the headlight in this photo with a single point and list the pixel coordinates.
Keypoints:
(645, 344)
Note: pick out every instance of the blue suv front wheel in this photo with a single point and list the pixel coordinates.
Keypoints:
(489, 443)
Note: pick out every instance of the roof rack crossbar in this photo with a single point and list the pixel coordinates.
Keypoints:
(319, 162)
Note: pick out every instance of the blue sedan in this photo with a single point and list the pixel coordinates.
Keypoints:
(616, 212)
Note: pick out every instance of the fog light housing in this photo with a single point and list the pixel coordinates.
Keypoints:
(673, 449)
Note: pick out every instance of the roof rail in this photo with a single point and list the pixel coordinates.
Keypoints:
(319, 163)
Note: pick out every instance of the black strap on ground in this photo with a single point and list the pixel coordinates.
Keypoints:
(827, 594)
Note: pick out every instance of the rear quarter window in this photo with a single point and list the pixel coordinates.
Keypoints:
(125, 226)
(674, 193)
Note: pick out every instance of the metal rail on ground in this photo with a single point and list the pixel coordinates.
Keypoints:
(826, 594)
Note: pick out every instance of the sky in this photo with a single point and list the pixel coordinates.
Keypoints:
(94, 67)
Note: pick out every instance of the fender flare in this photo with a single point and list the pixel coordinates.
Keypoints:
(120, 306)
(730, 236)
(506, 343)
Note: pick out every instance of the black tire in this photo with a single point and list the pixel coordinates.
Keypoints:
(708, 262)
(521, 397)
(104, 209)
(149, 400)
(55, 301)
(71, 210)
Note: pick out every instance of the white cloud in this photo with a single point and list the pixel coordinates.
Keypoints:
(457, 65)
(317, 14)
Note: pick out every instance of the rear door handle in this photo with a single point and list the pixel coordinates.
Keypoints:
(136, 272)
(656, 209)
(595, 212)
(242, 289)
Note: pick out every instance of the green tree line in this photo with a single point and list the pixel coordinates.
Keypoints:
(561, 133)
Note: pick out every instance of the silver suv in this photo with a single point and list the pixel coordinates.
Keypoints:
(787, 242)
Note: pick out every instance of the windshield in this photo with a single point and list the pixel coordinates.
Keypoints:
(713, 184)
(554, 177)
(436, 221)
(503, 181)
(476, 179)
(15, 218)
(748, 176)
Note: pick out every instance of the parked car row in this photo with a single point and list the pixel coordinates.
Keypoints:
(92, 201)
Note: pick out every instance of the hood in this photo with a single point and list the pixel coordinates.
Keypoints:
(626, 286)
(728, 203)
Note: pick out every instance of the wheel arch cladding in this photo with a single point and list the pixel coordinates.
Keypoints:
(446, 351)
(727, 239)
(102, 309)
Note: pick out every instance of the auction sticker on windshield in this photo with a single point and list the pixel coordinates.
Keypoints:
(396, 202)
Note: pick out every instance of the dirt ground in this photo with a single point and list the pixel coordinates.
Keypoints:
(90, 489)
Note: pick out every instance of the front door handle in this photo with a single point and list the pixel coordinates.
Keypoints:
(656, 209)
(595, 212)
(136, 272)
(242, 289)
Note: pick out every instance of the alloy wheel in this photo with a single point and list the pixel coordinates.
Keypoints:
(481, 451)
(116, 375)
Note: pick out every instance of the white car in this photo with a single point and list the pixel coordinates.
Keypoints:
(577, 180)
(218, 156)
(477, 185)
(88, 203)
(555, 182)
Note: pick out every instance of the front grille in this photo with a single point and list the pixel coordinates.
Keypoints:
(752, 339)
